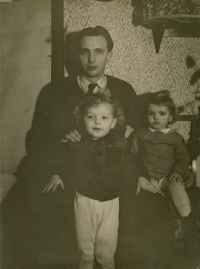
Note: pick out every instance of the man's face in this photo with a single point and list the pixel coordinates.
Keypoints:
(99, 120)
(93, 56)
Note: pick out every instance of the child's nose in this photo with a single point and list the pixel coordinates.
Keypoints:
(156, 116)
(97, 121)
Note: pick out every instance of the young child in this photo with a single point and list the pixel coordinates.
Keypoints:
(95, 167)
(165, 156)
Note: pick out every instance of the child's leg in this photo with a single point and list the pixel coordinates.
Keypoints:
(179, 198)
(190, 228)
(86, 224)
(107, 233)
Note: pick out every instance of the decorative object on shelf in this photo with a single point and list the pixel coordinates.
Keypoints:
(158, 15)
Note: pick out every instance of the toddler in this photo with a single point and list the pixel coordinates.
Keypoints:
(95, 167)
(165, 156)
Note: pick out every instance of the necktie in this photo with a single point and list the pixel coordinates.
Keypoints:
(91, 88)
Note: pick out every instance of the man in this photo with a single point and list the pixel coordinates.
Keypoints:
(53, 118)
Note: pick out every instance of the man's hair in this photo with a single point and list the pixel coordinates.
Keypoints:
(96, 31)
(161, 98)
(94, 101)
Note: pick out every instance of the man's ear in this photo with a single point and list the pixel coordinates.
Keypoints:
(109, 56)
(113, 123)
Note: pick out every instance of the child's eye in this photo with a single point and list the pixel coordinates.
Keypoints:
(162, 113)
(150, 113)
(104, 118)
(89, 116)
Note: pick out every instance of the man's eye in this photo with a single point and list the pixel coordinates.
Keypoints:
(99, 51)
(83, 52)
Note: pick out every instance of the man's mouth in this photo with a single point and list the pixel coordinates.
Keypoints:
(96, 129)
(91, 68)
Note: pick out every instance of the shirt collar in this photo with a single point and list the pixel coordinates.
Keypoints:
(164, 130)
(83, 83)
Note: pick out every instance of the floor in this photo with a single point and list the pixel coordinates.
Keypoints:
(24, 250)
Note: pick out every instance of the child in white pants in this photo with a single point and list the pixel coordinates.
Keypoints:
(95, 167)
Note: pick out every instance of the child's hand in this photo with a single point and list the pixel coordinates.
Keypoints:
(54, 182)
(145, 184)
(175, 176)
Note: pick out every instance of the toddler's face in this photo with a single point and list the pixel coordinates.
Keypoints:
(99, 120)
(158, 116)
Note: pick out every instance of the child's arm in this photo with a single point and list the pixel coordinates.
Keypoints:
(136, 174)
(53, 183)
(182, 161)
(133, 142)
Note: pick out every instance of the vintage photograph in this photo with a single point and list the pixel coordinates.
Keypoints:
(100, 134)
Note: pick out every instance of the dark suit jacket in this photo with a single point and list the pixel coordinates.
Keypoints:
(53, 115)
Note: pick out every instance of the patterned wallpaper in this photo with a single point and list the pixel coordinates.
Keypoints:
(134, 59)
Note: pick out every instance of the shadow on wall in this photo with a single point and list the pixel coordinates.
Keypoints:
(71, 54)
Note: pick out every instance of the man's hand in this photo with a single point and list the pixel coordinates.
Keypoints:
(73, 136)
(175, 176)
(54, 182)
(145, 184)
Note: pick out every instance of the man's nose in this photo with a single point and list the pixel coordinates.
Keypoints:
(91, 58)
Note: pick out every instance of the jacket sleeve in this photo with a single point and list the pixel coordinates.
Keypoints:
(38, 137)
(182, 159)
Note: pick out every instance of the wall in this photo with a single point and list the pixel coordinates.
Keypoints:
(134, 58)
(25, 69)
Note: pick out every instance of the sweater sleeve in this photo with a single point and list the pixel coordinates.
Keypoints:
(133, 142)
(133, 169)
(182, 159)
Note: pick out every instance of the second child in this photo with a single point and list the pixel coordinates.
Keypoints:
(165, 156)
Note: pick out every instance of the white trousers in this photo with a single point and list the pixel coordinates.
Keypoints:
(96, 230)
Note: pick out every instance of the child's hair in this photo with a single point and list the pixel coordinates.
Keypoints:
(161, 98)
(94, 101)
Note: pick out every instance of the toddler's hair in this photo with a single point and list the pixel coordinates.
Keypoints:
(94, 101)
(161, 98)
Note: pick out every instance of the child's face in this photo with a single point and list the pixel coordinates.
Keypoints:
(158, 116)
(99, 120)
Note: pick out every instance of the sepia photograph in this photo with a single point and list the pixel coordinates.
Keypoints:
(100, 134)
